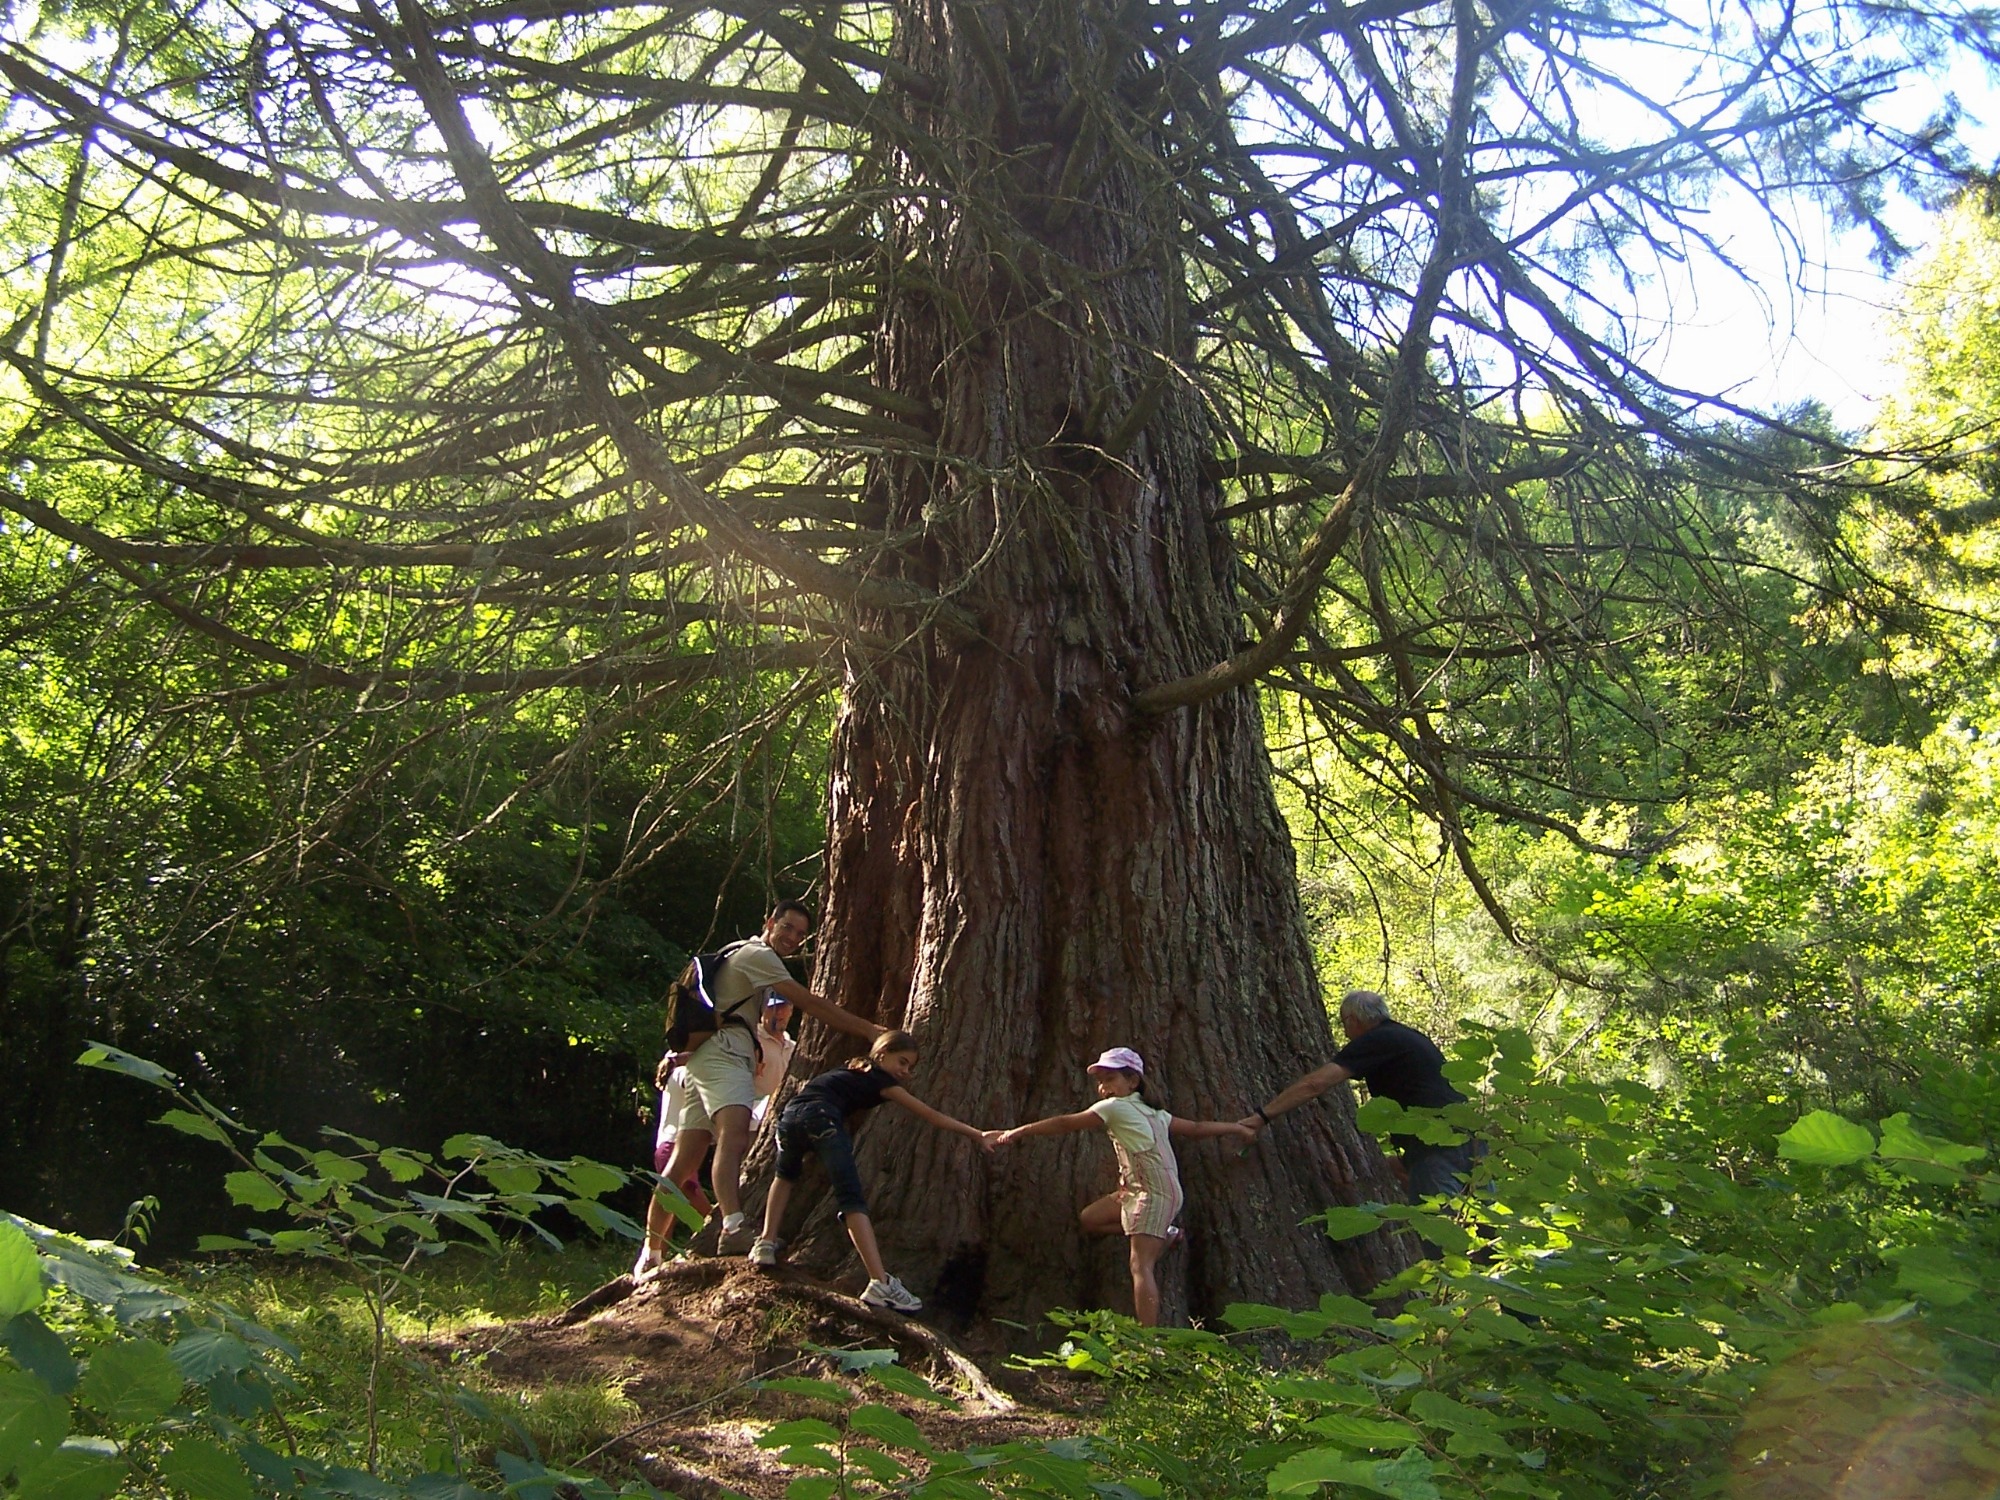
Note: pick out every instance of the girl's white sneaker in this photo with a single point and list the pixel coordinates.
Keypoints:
(891, 1293)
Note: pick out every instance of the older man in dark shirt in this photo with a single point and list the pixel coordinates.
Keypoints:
(1396, 1062)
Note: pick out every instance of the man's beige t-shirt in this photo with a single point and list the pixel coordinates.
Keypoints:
(752, 968)
(721, 1074)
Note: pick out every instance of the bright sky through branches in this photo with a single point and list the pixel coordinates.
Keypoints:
(1784, 337)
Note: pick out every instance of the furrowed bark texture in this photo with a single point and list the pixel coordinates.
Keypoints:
(1021, 869)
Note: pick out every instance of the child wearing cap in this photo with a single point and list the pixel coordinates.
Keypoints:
(1148, 1195)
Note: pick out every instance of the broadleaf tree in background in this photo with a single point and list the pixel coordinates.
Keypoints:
(1820, 925)
(1040, 378)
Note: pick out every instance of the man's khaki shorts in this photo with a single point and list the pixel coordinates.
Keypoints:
(722, 1073)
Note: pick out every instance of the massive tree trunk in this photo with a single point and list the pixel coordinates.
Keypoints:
(1022, 869)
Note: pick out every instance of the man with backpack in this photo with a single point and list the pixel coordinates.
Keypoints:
(721, 1070)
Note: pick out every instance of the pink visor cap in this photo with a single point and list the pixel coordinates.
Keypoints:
(1119, 1057)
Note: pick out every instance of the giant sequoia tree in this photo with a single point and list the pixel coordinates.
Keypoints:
(1047, 377)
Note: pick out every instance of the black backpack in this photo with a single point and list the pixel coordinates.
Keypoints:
(691, 1014)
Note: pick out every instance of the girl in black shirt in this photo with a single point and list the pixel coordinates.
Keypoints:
(816, 1120)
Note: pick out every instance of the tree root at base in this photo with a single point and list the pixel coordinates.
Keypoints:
(695, 1272)
(929, 1340)
(692, 1272)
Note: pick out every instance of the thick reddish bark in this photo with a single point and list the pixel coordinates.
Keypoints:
(1023, 870)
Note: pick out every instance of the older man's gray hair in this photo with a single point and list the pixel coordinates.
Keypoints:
(1364, 1005)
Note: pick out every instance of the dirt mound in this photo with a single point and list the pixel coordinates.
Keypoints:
(689, 1349)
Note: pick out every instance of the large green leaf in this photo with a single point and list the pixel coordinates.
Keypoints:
(850, 1360)
(402, 1166)
(1431, 1130)
(1046, 1470)
(590, 1179)
(1349, 1223)
(887, 1426)
(337, 1168)
(36, 1348)
(114, 1060)
(20, 1272)
(144, 1306)
(1318, 1388)
(1447, 1234)
(1405, 1477)
(1362, 1432)
(1381, 1115)
(1346, 1311)
(131, 1382)
(277, 1471)
(1475, 1444)
(908, 1383)
(1825, 1139)
(1246, 1316)
(201, 1354)
(880, 1466)
(361, 1485)
(75, 1471)
(604, 1219)
(512, 1177)
(678, 1205)
(33, 1420)
(93, 1270)
(1904, 1144)
(205, 1470)
(1453, 1416)
(188, 1123)
(1936, 1273)
(253, 1190)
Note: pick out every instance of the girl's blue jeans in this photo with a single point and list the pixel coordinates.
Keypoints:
(808, 1125)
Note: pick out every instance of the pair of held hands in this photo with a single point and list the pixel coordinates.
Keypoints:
(1241, 1131)
(990, 1139)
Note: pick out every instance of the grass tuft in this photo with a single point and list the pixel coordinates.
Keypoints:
(432, 1413)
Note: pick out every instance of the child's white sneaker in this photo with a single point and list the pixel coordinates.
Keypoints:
(764, 1253)
(891, 1293)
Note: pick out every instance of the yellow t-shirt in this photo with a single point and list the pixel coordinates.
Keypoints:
(1139, 1135)
(754, 967)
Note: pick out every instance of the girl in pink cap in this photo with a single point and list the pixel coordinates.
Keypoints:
(1149, 1180)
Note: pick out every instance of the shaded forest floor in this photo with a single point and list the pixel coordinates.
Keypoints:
(688, 1350)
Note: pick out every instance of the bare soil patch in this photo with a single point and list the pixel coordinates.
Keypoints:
(687, 1348)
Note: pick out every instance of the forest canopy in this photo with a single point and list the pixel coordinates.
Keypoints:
(460, 352)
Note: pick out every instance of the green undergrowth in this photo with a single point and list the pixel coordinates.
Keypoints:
(1648, 1293)
(312, 1362)
(1710, 1285)
(448, 1294)
(315, 1361)
(426, 1418)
